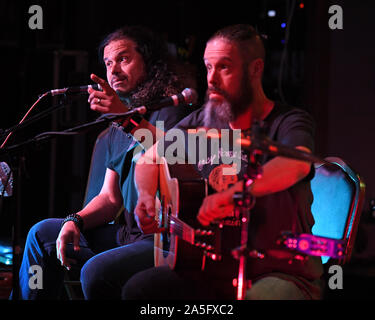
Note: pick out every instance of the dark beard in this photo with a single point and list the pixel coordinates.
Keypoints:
(230, 108)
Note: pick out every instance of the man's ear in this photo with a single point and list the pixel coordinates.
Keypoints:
(256, 68)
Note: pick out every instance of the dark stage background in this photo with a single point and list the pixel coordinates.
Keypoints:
(330, 73)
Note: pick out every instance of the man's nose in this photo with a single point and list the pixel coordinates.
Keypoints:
(115, 68)
(212, 77)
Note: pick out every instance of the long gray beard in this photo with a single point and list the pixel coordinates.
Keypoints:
(216, 113)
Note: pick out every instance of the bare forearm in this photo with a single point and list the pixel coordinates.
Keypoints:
(105, 206)
(100, 210)
(280, 174)
(146, 178)
(147, 172)
(277, 175)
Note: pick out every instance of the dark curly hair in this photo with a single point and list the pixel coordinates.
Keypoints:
(160, 81)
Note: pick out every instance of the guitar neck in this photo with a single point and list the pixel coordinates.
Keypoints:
(181, 229)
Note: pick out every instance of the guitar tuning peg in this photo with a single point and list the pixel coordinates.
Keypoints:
(213, 256)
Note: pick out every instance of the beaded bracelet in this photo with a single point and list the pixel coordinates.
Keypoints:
(76, 218)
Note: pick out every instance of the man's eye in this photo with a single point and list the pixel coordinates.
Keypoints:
(126, 59)
(108, 64)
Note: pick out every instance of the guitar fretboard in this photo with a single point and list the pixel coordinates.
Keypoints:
(181, 229)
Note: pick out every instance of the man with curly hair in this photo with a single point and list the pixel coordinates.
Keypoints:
(107, 253)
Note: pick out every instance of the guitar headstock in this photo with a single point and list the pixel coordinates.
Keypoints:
(205, 239)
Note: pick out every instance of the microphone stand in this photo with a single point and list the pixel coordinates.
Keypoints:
(106, 118)
(258, 145)
(35, 118)
(18, 171)
(244, 202)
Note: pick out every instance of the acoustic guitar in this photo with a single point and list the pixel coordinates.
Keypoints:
(185, 243)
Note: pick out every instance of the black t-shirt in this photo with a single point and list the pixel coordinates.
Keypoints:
(288, 210)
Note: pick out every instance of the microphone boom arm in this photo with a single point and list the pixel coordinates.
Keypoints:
(33, 119)
(72, 131)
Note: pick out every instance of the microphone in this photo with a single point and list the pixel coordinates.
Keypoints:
(72, 90)
(187, 96)
(6, 180)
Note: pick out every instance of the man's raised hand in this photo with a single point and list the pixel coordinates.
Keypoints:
(106, 101)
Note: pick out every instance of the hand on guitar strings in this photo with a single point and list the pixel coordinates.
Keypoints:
(145, 213)
(216, 206)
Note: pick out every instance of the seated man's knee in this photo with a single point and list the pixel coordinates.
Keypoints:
(132, 290)
(274, 288)
(92, 277)
(45, 231)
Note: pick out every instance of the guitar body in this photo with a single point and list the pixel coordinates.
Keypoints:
(181, 194)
